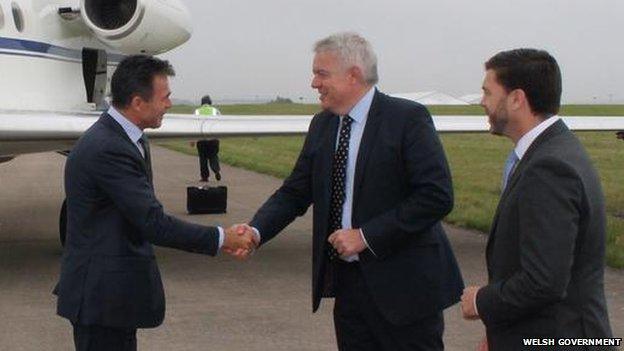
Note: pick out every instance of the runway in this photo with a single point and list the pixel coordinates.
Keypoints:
(212, 303)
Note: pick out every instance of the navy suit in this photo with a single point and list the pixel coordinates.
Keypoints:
(109, 276)
(402, 190)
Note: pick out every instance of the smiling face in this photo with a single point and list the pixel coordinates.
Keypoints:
(337, 85)
(151, 111)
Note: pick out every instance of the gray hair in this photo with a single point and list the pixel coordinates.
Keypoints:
(352, 50)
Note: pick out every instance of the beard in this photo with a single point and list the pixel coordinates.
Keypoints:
(498, 119)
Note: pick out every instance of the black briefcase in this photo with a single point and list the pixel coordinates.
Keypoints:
(206, 199)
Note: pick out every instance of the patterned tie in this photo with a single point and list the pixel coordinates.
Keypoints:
(510, 164)
(146, 155)
(339, 176)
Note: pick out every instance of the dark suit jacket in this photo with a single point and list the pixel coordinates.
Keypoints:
(109, 275)
(546, 250)
(402, 191)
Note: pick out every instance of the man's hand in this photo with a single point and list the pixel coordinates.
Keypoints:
(483, 345)
(240, 241)
(468, 303)
(620, 134)
(347, 242)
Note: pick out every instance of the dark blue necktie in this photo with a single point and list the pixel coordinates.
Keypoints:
(338, 177)
(146, 155)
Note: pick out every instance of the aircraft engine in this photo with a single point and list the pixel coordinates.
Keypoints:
(138, 26)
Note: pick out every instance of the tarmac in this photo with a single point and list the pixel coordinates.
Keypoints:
(212, 303)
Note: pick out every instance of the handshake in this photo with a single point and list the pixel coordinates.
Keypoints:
(240, 241)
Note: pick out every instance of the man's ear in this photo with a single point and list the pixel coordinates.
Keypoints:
(356, 74)
(136, 103)
(518, 99)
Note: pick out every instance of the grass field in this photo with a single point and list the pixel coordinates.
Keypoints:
(476, 164)
(310, 109)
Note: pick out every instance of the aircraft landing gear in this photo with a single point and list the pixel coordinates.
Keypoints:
(63, 223)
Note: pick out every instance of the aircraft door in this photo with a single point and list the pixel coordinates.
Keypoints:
(94, 62)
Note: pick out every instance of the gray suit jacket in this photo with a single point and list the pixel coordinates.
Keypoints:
(109, 276)
(546, 250)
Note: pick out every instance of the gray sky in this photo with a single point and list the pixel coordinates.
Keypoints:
(264, 47)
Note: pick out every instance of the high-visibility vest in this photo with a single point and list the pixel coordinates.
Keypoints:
(207, 110)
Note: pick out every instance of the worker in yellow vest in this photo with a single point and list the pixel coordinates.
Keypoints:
(208, 150)
(206, 108)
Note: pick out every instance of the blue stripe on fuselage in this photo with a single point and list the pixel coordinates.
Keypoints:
(36, 47)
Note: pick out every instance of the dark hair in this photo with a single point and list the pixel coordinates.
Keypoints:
(536, 72)
(206, 100)
(134, 76)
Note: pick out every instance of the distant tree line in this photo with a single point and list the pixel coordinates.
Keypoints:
(281, 100)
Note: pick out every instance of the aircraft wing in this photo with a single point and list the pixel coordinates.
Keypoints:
(26, 132)
(462, 124)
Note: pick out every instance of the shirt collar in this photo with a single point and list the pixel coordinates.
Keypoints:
(359, 112)
(134, 132)
(525, 142)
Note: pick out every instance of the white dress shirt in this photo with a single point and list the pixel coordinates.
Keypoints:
(525, 142)
(132, 130)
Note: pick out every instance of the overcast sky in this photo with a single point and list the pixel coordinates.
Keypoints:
(264, 47)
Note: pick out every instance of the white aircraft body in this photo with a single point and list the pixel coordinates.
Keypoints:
(57, 57)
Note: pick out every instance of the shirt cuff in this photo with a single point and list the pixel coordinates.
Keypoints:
(221, 237)
(257, 234)
(474, 303)
(366, 242)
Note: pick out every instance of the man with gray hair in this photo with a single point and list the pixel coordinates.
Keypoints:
(375, 170)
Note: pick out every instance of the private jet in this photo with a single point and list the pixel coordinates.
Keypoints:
(57, 58)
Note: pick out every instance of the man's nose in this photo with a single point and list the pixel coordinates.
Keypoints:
(315, 83)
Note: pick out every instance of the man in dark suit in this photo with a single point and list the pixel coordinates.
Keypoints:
(110, 284)
(375, 171)
(546, 249)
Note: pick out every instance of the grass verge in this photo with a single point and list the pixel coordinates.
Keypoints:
(476, 164)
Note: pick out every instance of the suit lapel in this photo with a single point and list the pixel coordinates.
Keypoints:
(555, 129)
(367, 143)
(148, 158)
(324, 170)
(329, 143)
(110, 122)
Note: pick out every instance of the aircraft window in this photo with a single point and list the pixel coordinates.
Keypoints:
(1, 17)
(17, 17)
